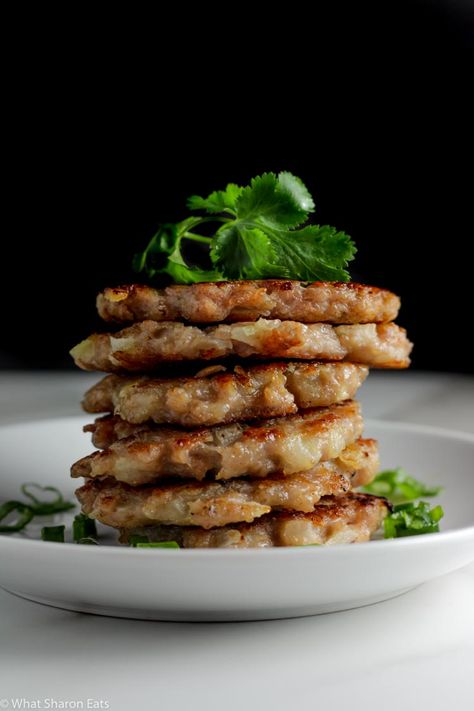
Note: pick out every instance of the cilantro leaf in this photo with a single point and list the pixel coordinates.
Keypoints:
(265, 212)
(218, 201)
(398, 486)
(278, 201)
(314, 252)
(244, 252)
(411, 519)
(294, 186)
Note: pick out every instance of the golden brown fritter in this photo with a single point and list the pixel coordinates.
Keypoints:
(351, 518)
(285, 445)
(108, 429)
(210, 504)
(147, 344)
(269, 390)
(331, 302)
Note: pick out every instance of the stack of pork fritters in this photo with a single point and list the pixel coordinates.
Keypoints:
(237, 455)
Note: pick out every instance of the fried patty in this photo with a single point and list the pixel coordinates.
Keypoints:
(249, 300)
(211, 504)
(285, 445)
(267, 390)
(147, 344)
(108, 429)
(351, 518)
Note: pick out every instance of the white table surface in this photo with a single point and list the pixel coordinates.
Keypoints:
(413, 652)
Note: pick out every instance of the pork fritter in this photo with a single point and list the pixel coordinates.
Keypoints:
(285, 445)
(269, 390)
(211, 503)
(147, 344)
(351, 518)
(331, 302)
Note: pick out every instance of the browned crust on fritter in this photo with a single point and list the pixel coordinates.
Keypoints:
(286, 444)
(269, 390)
(351, 518)
(108, 429)
(331, 302)
(210, 504)
(147, 344)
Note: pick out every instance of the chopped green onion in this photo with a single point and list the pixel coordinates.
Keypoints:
(158, 544)
(53, 533)
(42, 507)
(137, 541)
(412, 520)
(87, 541)
(83, 527)
(25, 514)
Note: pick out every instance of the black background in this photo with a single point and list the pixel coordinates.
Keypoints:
(110, 129)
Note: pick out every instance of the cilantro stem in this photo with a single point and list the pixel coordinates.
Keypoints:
(197, 238)
(217, 218)
(202, 220)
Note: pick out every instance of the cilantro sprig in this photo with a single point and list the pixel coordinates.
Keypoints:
(398, 486)
(259, 232)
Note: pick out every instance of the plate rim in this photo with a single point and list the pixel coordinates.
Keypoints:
(423, 540)
(411, 541)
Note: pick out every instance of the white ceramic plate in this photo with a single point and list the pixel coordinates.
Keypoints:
(231, 584)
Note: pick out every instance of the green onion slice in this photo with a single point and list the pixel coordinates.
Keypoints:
(83, 527)
(53, 533)
(158, 544)
(137, 541)
(41, 507)
(25, 514)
